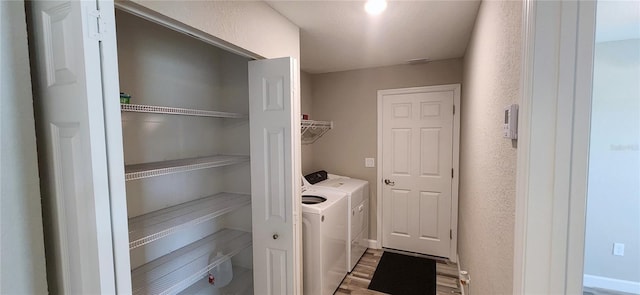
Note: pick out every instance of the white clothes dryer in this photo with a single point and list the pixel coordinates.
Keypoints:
(324, 232)
(358, 217)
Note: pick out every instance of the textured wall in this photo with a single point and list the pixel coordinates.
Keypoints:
(487, 160)
(251, 25)
(349, 99)
(22, 262)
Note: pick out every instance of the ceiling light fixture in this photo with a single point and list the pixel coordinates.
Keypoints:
(375, 7)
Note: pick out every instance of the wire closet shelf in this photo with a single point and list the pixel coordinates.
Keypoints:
(140, 108)
(312, 130)
(145, 170)
(155, 225)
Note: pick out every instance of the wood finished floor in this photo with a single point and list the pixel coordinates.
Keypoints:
(358, 280)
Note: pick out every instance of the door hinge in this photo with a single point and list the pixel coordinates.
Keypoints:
(97, 25)
(454, 109)
(450, 234)
(451, 173)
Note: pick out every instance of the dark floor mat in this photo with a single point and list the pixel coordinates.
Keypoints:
(399, 274)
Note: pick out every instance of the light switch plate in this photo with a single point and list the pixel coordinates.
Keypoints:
(369, 162)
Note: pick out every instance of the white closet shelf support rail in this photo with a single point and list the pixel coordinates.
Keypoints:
(144, 170)
(140, 108)
(152, 226)
(312, 130)
(180, 269)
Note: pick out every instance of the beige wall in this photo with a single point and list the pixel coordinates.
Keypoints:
(487, 160)
(306, 98)
(22, 262)
(306, 106)
(349, 99)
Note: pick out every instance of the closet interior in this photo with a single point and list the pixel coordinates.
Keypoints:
(187, 168)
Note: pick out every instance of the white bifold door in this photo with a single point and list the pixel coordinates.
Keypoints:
(275, 137)
(82, 168)
(85, 252)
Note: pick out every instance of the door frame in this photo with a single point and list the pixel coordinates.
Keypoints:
(170, 23)
(553, 148)
(453, 253)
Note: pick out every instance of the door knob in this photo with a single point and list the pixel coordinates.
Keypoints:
(389, 182)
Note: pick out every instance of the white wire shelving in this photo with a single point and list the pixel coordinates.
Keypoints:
(140, 108)
(312, 130)
(145, 170)
(182, 268)
(242, 284)
(152, 226)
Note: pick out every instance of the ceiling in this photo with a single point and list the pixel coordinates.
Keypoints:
(340, 35)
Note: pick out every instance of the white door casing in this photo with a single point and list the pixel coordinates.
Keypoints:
(418, 149)
(553, 146)
(68, 96)
(275, 175)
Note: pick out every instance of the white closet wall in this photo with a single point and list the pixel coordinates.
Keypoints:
(161, 67)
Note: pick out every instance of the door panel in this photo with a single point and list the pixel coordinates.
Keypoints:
(275, 161)
(401, 111)
(429, 219)
(417, 159)
(430, 152)
(429, 110)
(68, 97)
(275, 180)
(401, 151)
(277, 269)
(400, 209)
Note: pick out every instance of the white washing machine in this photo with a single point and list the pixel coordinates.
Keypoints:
(324, 232)
(358, 203)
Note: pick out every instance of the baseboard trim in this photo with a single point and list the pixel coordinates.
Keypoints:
(373, 244)
(462, 291)
(611, 284)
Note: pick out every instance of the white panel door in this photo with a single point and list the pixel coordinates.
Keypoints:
(72, 146)
(275, 180)
(417, 169)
